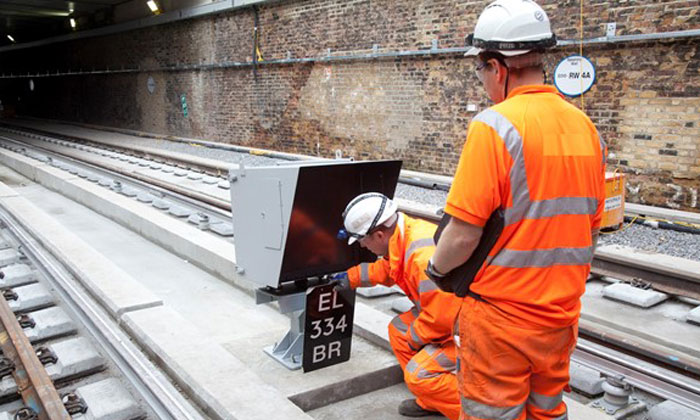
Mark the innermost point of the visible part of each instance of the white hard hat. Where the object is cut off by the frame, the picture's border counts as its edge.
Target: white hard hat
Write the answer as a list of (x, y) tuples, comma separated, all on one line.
[(511, 27), (365, 212)]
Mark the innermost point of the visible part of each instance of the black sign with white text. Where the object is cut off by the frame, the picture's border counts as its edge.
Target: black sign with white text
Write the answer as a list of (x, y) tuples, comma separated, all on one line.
[(328, 326)]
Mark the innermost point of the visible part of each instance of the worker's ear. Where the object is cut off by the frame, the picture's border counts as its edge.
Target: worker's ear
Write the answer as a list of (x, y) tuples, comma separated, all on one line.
[(498, 68)]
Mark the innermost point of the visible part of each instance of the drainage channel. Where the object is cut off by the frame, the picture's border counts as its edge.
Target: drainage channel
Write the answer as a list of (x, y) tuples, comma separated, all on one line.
[(63, 356), (203, 211)]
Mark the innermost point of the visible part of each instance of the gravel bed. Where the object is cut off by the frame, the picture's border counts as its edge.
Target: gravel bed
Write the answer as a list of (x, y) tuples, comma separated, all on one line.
[(677, 244), (668, 242)]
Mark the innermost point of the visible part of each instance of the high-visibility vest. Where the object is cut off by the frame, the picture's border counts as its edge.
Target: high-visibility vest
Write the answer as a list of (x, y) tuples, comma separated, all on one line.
[(541, 160), (410, 247)]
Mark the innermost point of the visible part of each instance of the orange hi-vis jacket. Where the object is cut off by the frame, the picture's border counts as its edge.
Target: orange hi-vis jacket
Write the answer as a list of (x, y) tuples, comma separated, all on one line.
[(541, 160), (410, 248)]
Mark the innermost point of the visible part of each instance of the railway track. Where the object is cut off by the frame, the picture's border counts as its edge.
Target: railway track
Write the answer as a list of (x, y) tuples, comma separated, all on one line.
[(62, 356), (201, 186), (674, 281)]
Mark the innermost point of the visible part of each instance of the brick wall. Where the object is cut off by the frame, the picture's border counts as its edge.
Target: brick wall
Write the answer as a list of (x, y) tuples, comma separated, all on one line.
[(645, 101)]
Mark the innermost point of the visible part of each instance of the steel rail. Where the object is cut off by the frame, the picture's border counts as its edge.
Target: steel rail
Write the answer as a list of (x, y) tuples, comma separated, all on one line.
[(423, 180), (645, 376), (131, 151), (673, 281), (35, 386), (221, 209), (155, 389)]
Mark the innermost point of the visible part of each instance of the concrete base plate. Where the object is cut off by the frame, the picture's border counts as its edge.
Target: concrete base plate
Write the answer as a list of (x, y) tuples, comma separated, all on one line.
[(644, 298), (585, 380)]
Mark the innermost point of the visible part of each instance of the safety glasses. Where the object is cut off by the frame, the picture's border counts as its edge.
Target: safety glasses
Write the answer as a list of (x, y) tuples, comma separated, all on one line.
[(479, 70), (344, 234)]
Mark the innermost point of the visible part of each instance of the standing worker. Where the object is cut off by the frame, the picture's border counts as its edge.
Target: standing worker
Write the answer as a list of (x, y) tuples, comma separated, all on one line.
[(421, 338), (541, 161)]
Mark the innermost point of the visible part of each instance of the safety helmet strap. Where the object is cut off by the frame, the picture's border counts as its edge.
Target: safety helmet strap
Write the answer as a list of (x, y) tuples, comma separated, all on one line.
[(511, 45)]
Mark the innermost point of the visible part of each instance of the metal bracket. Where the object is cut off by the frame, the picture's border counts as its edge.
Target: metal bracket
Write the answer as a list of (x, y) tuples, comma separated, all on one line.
[(7, 366), (74, 404), (618, 400), (289, 351), (26, 321), (46, 356)]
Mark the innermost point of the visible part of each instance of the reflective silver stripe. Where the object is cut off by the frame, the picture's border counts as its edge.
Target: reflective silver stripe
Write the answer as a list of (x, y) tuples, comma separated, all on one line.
[(418, 243), (543, 257), (559, 206), (425, 374), (522, 207), (411, 366), (426, 286), (518, 178), (364, 275), (431, 349), (483, 411), (445, 362), (414, 337), (564, 416), (398, 323), (545, 402), (416, 307), (602, 147)]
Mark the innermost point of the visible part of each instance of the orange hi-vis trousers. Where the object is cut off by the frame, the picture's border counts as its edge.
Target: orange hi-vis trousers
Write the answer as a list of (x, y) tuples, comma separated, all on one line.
[(430, 373), (511, 369)]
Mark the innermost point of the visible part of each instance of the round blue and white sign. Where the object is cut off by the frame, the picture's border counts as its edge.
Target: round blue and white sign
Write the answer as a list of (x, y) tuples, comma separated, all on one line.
[(574, 75)]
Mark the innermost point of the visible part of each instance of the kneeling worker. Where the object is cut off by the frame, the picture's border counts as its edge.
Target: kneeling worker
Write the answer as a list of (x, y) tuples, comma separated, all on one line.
[(421, 338)]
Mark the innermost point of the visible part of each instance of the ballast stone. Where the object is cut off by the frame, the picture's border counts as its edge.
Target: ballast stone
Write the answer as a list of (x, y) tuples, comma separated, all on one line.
[(633, 295)]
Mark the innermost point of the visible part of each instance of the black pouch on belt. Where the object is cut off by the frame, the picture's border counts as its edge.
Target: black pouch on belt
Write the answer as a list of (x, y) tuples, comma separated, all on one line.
[(459, 279)]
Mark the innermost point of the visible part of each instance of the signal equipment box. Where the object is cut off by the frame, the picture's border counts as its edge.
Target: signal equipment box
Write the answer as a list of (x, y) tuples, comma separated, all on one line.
[(286, 220)]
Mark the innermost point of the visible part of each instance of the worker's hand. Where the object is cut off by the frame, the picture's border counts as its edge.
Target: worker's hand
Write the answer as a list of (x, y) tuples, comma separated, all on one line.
[(342, 280)]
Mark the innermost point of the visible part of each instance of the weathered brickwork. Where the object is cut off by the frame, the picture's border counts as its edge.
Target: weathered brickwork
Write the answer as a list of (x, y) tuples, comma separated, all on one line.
[(646, 101)]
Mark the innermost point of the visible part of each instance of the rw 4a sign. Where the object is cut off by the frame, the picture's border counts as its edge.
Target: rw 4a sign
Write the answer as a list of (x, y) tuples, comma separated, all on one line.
[(574, 75), (328, 326)]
